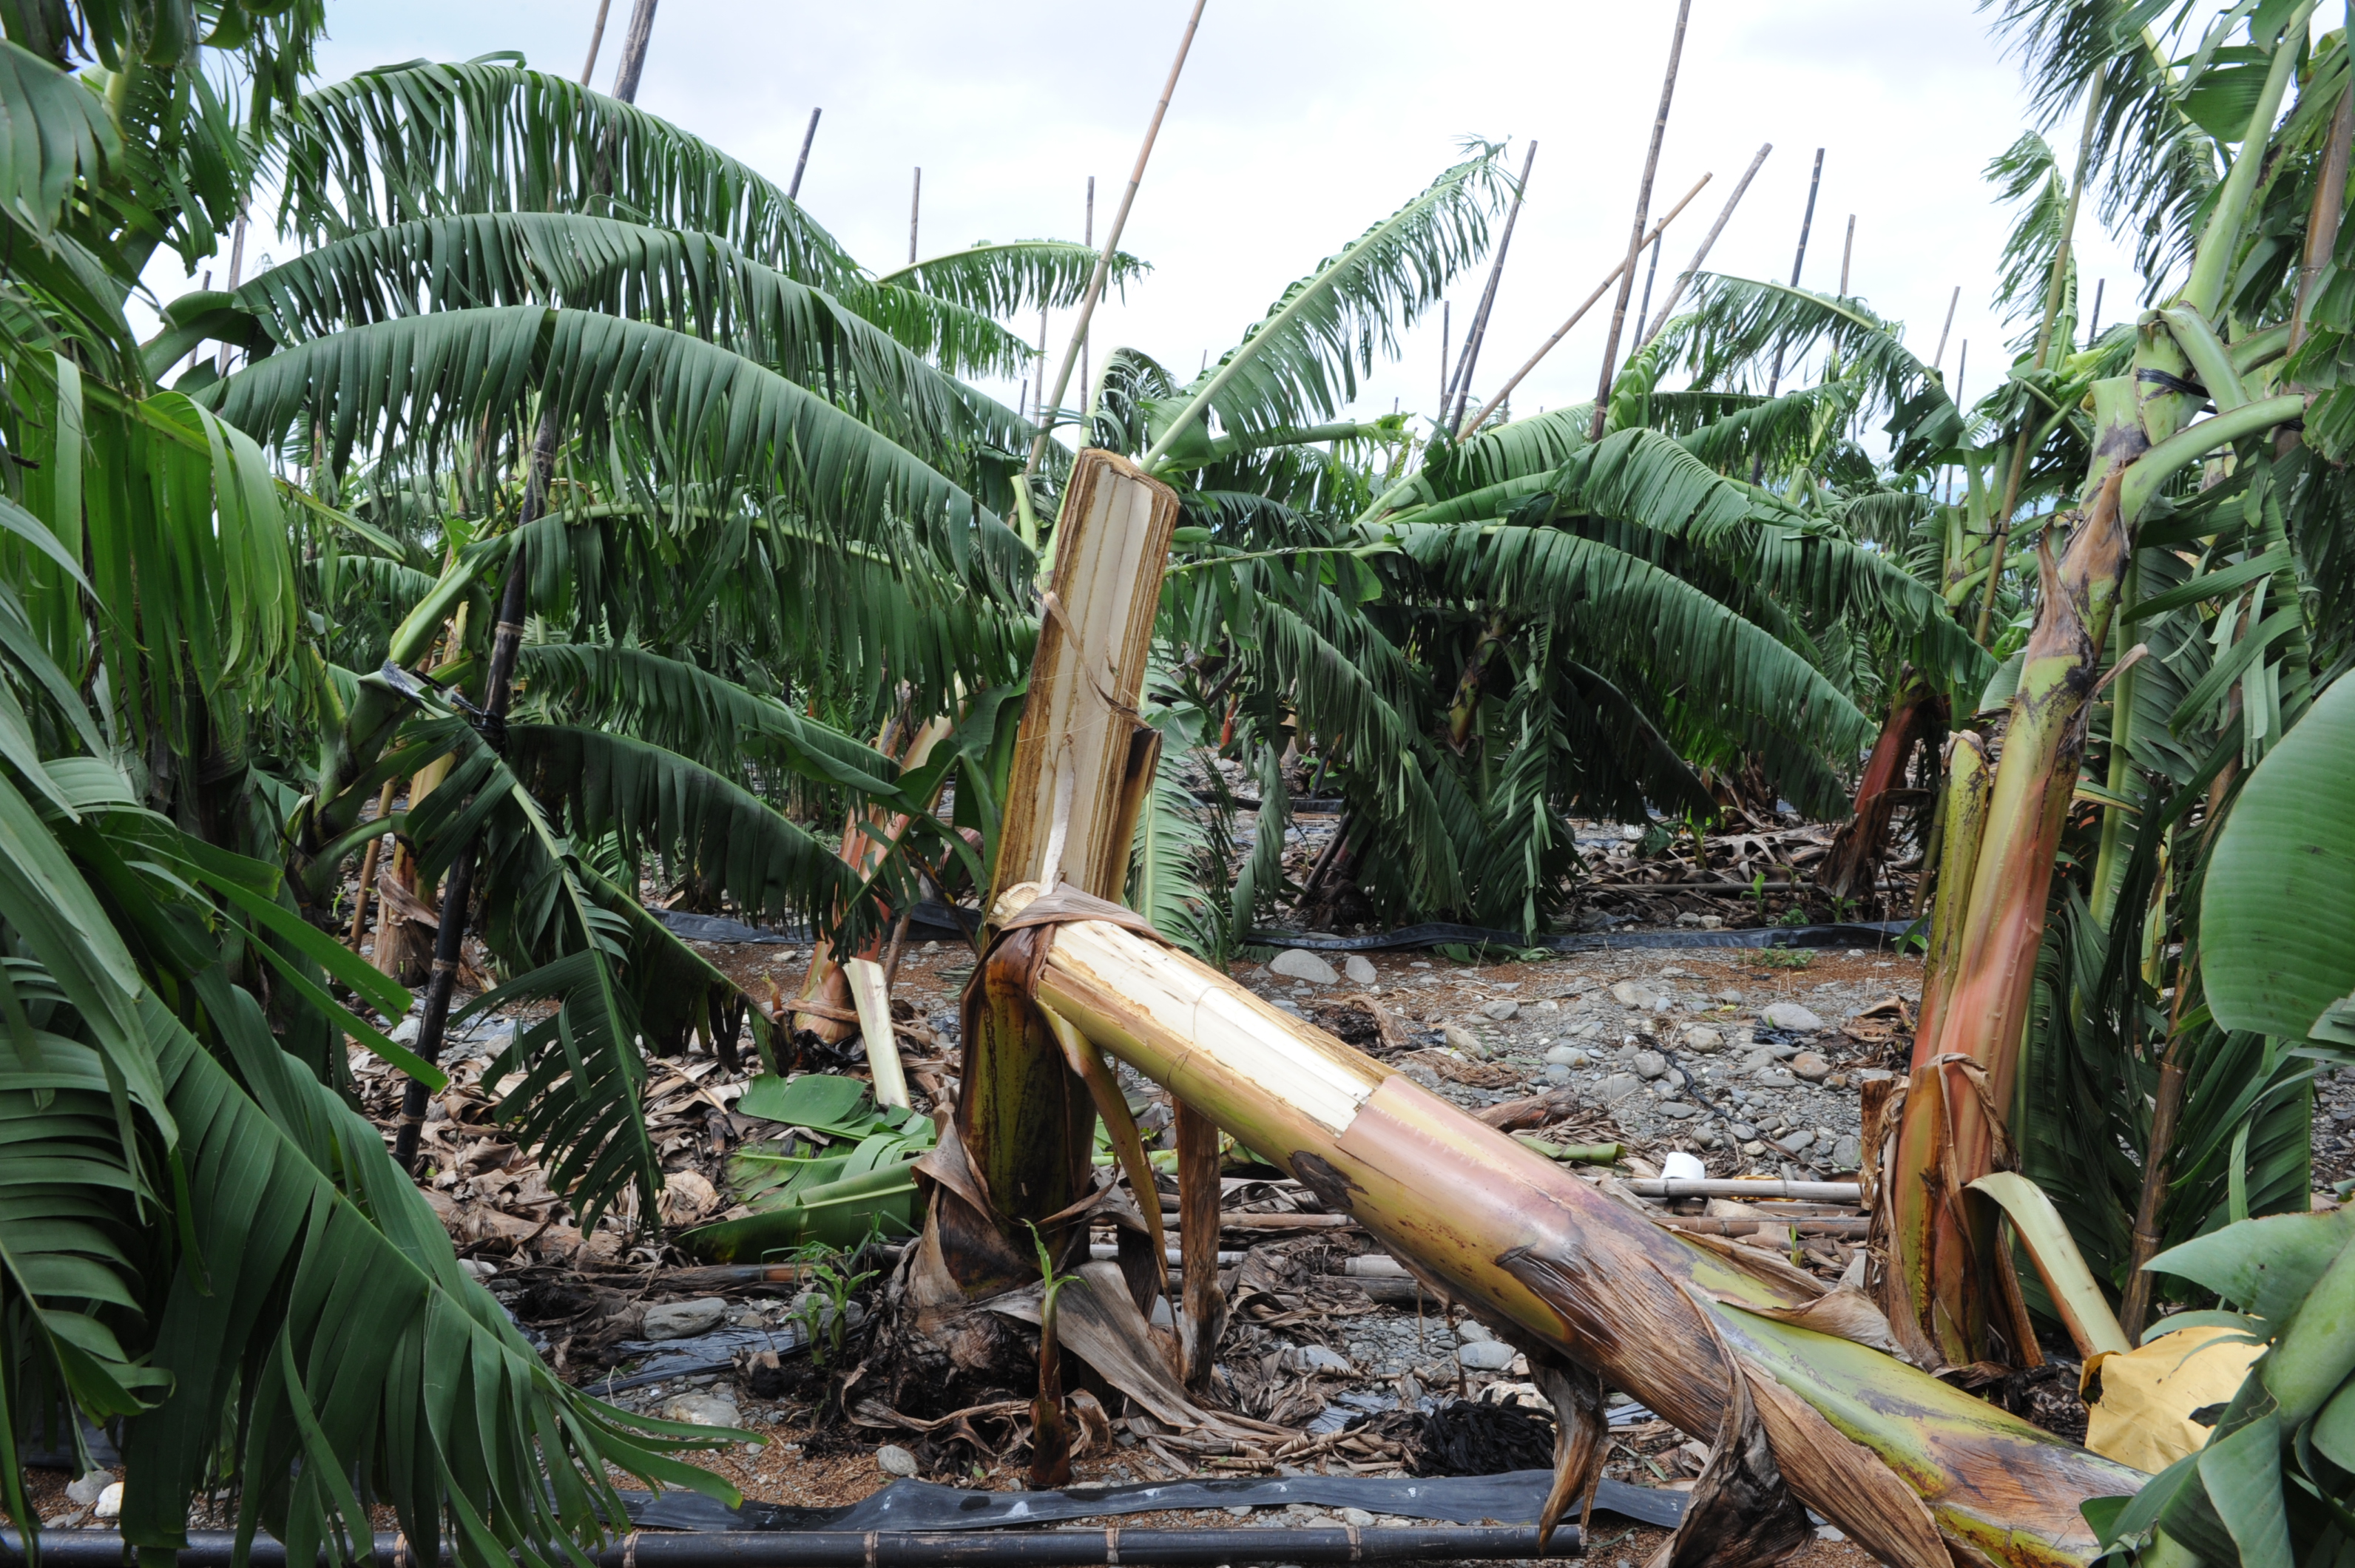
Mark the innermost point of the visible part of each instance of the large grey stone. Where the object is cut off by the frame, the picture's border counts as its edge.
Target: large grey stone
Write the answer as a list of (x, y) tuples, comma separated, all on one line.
[(1556, 1072), (1811, 1067), (1847, 1152), (1619, 1085), (1470, 1333), (1628, 994), (1650, 1064), (1319, 1358), (682, 1319), (1790, 1016), (1298, 963), (1677, 1110), (1360, 969), (1563, 1056), (1799, 1142), (1500, 1009), (1775, 1078), (699, 1410), (1486, 1355), (894, 1460), (1458, 1038), (88, 1488), (1700, 1037)]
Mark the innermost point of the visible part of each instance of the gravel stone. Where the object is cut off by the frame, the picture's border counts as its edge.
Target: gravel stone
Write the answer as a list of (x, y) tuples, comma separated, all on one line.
[(1848, 1152), (1650, 1064), (1458, 1038), (683, 1319), (1643, 998), (1298, 963), (1776, 1078), (1619, 1085), (1359, 969), (1700, 1037), (1677, 1110), (1502, 1008), (1791, 1016), (700, 1410), (1486, 1355), (1811, 1067)]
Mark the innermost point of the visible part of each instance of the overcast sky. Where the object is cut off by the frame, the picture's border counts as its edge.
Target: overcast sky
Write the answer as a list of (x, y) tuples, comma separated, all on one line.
[(1298, 123)]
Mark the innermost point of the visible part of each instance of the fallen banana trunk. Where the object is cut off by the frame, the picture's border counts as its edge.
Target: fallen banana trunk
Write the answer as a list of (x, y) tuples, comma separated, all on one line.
[(1701, 1333)]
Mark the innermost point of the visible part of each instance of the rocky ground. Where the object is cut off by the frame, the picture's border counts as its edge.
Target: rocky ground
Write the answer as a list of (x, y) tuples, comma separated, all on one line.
[(1749, 1059), (1713, 1050)]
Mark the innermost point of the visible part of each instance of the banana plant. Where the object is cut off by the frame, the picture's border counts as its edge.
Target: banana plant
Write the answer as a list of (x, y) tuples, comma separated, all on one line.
[(199, 1235), (2204, 342)]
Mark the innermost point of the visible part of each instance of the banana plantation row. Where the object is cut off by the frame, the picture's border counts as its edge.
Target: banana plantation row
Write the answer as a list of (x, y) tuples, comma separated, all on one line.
[(545, 537)]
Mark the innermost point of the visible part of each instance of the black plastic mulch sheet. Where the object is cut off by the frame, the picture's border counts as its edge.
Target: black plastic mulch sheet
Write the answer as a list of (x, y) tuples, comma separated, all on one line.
[(1512, 1499), (952, 921)]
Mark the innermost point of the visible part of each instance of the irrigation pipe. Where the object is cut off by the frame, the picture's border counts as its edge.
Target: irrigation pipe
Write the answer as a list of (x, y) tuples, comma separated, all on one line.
[(908, 1549)]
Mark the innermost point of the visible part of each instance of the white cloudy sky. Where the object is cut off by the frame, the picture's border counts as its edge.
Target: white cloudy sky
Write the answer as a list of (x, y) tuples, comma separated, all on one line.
[(1299, 122)]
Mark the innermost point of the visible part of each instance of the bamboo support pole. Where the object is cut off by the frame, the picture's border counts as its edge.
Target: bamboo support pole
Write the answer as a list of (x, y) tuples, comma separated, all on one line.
[(1479, 333), (370, 856), (1798, 264), (1708, 241), (794, 191), (596, 38), (1577, 315), (1111, 246), (1892, 1455), (1636, 231), (1940, 357)]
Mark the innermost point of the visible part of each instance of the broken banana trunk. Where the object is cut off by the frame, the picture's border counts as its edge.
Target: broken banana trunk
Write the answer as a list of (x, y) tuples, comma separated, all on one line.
[(1718, 1338)]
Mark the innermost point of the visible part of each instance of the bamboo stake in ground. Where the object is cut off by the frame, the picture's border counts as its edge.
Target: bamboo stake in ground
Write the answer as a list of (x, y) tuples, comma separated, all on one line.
[(794, 191), (370, 856), (1110, 249), (1692, 268), (1497, 402), (1636, 231), (1479, 330), (1940, 357), (1798, 264), (596, 38)]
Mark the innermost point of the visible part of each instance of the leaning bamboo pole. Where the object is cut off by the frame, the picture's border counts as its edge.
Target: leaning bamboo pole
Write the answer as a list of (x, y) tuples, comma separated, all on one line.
[(1889, 1454), (1497, 397), (1635, 229)]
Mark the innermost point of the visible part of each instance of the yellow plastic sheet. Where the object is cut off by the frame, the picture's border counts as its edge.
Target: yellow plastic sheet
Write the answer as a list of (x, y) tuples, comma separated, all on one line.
[(2140, 1413)]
